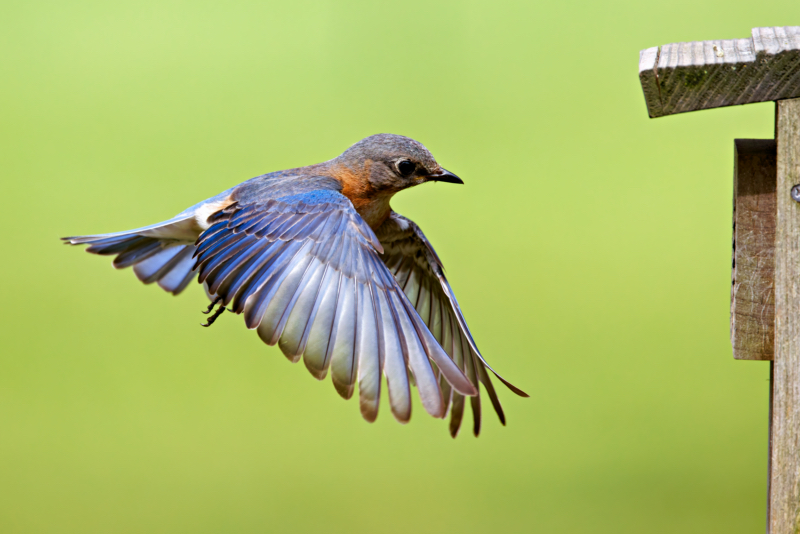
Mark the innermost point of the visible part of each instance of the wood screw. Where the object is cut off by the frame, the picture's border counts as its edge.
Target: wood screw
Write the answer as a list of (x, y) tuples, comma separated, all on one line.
[(796, 193)]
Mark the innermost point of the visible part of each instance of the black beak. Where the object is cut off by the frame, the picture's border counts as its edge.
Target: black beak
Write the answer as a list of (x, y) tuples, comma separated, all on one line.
[(445, 176)]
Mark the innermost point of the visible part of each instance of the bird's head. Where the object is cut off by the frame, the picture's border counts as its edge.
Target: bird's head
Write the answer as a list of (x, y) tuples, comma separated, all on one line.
[(390, 163)]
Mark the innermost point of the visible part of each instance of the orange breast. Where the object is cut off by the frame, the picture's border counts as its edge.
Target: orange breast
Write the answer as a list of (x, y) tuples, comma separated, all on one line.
[(372, 206)]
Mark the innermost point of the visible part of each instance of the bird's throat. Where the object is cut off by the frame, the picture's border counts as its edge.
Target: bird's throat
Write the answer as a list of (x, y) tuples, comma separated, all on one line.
[(374, 211), (372, 205)]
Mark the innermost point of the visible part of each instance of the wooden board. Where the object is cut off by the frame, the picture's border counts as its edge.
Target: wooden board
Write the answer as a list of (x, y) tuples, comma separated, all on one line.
[(785, 437), (684, 77), (753, 269)]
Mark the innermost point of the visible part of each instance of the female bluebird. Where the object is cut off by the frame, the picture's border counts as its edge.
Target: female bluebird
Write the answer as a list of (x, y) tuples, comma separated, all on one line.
[(318, 263)]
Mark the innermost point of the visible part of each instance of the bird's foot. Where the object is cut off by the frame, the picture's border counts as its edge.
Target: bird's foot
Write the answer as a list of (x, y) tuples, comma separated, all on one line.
[(211, 306), (217, 313)]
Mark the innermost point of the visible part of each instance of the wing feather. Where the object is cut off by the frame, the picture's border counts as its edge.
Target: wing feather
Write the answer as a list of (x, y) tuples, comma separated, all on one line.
[(298, 324), (369, 353), (395, 349), (418, 360), (341, 349), (277, 313), (259, 286), (315, 353), (487, 383), (469, 362), (410, 258), (287, 268), (216, 272)]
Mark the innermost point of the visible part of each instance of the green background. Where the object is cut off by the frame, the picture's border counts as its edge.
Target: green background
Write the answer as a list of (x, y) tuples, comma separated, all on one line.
[(590, 250)]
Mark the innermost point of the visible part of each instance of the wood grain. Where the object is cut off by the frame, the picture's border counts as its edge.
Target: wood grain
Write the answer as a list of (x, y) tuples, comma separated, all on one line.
[(753, 269), (682, 77), (785, 458)]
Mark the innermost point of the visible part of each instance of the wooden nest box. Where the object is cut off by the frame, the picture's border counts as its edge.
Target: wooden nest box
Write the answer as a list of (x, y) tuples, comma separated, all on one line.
[(765, 289)]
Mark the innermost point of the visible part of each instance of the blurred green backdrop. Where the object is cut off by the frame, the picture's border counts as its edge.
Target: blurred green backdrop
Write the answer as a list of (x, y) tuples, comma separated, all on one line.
[(590, 249)]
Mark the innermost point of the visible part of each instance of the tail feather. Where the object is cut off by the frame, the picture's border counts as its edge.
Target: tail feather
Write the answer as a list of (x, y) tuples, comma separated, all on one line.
[(131, 257), (115, 245), (166, 261), (179, 276), (154, 268)]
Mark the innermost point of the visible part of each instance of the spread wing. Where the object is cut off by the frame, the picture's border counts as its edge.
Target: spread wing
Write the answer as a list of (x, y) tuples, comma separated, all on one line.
[(305, 272), (418, 271)]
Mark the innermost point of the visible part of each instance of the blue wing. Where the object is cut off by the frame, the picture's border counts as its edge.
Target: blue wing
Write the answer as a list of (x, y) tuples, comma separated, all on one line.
[(413, 262), (305, 272)]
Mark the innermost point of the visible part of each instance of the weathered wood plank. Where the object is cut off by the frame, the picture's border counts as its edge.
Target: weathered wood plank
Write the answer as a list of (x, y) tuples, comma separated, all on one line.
[(785, 466), (753, 270), (711, 74), (648, 59)]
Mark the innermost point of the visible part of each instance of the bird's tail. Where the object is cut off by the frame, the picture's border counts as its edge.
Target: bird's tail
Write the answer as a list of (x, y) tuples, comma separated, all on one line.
[(165, 261)]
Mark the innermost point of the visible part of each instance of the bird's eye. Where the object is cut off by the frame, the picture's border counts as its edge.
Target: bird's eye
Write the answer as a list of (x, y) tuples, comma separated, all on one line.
[(406, 168)]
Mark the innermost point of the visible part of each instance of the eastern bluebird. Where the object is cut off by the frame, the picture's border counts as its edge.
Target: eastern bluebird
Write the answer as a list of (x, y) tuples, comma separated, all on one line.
[(318, 263)]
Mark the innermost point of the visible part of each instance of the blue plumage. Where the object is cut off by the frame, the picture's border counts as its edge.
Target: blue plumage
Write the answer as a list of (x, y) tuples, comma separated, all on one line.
[(319, 196)]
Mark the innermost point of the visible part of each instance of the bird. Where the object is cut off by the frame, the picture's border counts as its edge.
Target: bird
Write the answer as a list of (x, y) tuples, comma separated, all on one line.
[(317, 262)]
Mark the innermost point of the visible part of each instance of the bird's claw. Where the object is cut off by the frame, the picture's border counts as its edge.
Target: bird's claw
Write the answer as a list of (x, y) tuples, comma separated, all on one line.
[(217, 313), (211, 306)]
